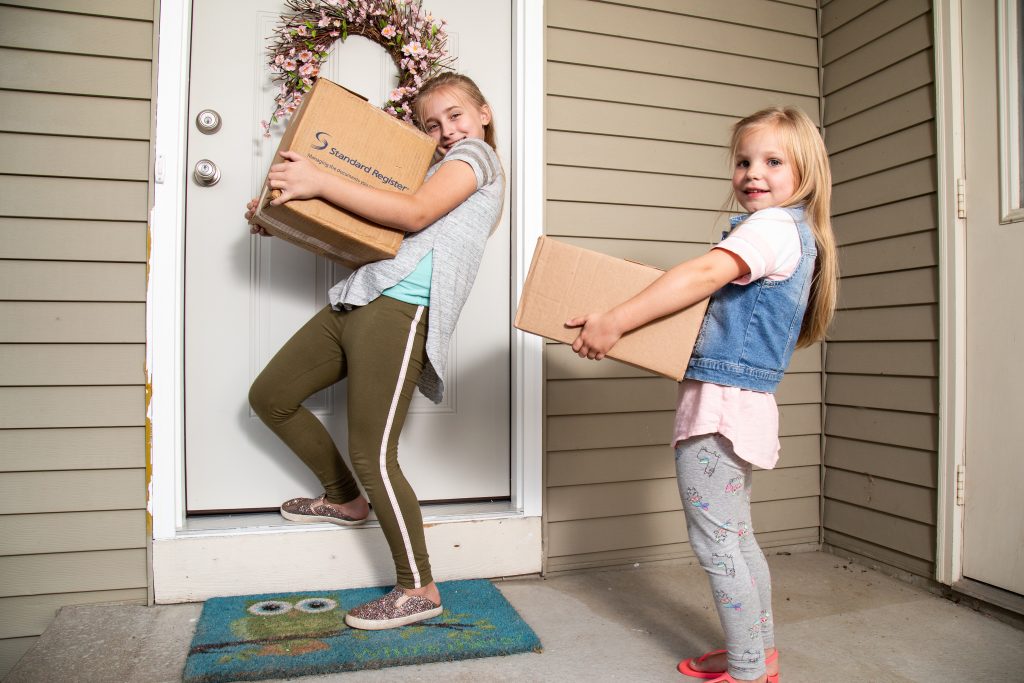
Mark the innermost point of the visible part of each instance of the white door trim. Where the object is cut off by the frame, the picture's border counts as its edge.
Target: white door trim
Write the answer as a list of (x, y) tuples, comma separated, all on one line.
[(952, 283), (165, 286)]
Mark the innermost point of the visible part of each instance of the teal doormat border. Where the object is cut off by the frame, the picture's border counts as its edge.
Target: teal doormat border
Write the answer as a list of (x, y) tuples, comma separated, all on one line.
[(280, 635)]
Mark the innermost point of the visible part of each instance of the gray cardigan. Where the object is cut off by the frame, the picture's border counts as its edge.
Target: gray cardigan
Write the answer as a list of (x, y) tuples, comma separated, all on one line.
[(458, 240)]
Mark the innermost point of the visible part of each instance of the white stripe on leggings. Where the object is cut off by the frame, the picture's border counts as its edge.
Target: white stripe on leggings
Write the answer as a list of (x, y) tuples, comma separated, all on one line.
[(384, 449)]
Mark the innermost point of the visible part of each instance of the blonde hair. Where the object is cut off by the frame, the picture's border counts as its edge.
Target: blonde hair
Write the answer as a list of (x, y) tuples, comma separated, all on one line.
[(466, 86), (803, 144)]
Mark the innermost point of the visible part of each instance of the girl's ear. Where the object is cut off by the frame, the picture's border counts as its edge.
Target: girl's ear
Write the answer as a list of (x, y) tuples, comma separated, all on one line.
[(485, 114)]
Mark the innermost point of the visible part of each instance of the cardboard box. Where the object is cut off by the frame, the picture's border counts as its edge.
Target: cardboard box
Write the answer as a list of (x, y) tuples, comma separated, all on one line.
[(342, 133), (566, 281)]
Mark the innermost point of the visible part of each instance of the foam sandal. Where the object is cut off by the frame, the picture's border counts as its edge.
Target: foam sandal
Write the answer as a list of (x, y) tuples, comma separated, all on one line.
[(726, 678), (686, 669)]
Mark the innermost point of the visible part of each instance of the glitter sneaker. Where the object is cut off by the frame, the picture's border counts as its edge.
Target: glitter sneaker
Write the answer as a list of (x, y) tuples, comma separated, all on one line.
[(391, 611), (310, 510)]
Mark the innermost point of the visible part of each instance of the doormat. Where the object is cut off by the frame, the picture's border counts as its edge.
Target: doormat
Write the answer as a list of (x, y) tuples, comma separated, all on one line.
[(281, 635)]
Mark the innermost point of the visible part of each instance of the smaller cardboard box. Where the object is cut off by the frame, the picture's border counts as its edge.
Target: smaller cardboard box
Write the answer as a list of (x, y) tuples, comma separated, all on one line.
[(566, 281), (342, 133)]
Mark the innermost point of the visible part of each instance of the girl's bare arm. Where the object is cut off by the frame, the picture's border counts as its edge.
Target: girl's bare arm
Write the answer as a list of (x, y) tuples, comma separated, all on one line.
[(449, 186), (679, 288)]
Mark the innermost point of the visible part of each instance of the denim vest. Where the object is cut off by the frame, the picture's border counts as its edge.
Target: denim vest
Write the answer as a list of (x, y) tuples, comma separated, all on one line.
[(749, 331)]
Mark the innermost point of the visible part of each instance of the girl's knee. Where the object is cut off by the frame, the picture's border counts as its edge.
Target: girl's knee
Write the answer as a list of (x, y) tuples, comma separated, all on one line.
[(267, 403)]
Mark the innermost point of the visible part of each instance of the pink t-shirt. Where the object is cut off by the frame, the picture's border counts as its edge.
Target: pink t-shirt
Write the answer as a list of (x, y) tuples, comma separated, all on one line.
[(768, 242)]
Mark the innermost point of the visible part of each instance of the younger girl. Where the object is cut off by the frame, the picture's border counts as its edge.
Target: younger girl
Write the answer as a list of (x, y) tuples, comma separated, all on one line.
[(387, 329), (772, 283)]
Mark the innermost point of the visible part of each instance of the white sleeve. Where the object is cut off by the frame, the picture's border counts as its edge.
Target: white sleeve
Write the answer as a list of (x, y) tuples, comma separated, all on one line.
[(768, 242)]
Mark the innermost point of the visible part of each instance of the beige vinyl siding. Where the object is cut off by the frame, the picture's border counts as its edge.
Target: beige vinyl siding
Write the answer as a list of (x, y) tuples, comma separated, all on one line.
[(75, 140), (640, 99), (882, 358)]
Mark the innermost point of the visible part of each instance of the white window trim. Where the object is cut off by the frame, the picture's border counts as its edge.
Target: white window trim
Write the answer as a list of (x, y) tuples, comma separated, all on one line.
[(165, 286), (1010, 161)]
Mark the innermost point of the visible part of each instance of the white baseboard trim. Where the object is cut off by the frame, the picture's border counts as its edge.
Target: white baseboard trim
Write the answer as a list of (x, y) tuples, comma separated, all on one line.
[(194, 568)]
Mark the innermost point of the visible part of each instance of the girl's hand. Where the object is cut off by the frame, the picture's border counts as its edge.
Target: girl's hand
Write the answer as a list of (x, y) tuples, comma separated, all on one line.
[(250, 211), (599, 334), (296, 177)]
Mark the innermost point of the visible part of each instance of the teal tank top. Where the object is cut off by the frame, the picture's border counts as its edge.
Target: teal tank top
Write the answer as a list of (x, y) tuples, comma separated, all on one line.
[(415, 288)]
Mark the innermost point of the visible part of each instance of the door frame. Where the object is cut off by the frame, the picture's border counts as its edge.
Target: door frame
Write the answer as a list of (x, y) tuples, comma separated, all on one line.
[(949, 152), (507, 543)]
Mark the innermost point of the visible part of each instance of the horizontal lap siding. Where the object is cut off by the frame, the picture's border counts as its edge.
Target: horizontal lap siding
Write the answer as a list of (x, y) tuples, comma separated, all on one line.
[(640, 99), (74, 198), (882, 361)]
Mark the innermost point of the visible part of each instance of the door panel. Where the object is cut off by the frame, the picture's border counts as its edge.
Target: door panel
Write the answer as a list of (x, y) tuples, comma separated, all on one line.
[(993, 535), (245, 295)]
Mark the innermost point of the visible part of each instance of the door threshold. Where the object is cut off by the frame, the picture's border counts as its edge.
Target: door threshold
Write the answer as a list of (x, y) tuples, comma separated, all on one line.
[(243, 554), (272, 522), (999, 597)]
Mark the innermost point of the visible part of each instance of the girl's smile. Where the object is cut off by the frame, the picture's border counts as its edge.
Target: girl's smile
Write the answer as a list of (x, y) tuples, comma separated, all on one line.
[(764, 175), (449, 118)]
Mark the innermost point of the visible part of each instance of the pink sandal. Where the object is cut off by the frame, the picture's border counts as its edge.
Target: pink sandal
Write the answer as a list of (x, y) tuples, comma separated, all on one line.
[(686, 669)]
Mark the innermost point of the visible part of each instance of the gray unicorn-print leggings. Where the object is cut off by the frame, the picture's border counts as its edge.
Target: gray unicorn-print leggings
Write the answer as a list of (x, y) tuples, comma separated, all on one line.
[(714, 484)]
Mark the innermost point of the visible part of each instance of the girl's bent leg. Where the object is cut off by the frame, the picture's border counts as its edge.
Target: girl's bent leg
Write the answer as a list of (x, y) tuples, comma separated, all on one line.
[(385, 347), (308, 362), (714, 486)]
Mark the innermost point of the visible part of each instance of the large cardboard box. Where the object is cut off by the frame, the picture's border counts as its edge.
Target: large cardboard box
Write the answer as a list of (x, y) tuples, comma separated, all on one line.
[(342, 133), (566, 281)]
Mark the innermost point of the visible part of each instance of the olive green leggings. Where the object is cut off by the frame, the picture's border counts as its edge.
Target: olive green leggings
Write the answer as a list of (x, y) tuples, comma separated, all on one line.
[(380, 349)]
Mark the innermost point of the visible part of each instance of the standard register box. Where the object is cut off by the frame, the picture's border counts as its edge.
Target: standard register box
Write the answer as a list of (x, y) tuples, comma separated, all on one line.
[(342, 133), (566, 281)]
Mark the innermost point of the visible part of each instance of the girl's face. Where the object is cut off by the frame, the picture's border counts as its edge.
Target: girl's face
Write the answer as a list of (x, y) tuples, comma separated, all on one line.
[(764, 175), (448, 117)]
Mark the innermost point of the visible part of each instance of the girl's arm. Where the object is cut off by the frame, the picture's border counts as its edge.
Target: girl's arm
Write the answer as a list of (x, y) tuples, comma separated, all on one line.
[(451, 184), (679, 288)]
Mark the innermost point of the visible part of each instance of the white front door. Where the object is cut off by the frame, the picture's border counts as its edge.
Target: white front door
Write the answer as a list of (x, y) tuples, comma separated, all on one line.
[(993, 533), (245, 296)]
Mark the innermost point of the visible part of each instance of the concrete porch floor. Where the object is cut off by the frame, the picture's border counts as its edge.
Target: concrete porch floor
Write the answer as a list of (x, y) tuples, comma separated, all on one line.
[(835, 620)]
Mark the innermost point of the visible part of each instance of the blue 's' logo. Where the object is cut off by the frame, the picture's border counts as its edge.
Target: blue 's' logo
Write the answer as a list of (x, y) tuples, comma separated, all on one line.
[(322, 140)]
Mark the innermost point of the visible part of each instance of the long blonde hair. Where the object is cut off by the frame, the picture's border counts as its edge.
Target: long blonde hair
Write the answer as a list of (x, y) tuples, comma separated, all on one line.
[(803, 144), (466, 86)]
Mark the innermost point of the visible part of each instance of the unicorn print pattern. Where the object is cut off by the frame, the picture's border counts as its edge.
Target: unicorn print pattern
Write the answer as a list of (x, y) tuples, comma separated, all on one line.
[(709, 459)]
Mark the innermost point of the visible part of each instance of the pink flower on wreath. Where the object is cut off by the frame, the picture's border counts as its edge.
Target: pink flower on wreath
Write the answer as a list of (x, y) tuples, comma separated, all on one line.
[(334, 34), (397, 94), (306, 69), (305, 56), (308, 82), (324, 20), (301, 30), (278, 60), (388, 31), (289, 65), (414, 49)]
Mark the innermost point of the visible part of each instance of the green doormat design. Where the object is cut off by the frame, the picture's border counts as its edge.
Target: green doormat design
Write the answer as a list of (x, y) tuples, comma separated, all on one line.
[(280, 635)]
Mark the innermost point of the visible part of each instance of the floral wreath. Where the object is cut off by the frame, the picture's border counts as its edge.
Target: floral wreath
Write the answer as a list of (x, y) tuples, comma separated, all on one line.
[(415, 41)]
